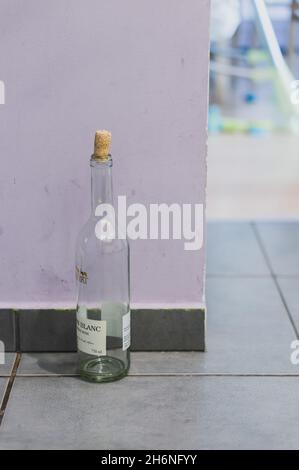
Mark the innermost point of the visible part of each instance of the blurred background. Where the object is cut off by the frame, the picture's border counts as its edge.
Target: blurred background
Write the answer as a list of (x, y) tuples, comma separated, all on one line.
[(254, 110)]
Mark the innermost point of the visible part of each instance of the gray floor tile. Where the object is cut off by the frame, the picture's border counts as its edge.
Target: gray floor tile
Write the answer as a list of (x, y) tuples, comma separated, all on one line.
[(290, 290), (248, 333), (3, 383), (153, 413), (281, 241), (248, 330), (141, 363), (6, 368), (48, 364), (233, 250)]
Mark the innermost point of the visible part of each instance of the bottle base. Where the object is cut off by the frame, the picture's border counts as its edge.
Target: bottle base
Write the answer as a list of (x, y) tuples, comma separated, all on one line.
[(103, 369)]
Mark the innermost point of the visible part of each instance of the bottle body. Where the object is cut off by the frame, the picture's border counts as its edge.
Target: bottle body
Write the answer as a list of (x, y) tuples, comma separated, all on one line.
[(103, 306), (103, 310)]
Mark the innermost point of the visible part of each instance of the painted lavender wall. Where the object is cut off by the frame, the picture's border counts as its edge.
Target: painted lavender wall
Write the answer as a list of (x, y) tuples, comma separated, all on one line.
[(136, 67)]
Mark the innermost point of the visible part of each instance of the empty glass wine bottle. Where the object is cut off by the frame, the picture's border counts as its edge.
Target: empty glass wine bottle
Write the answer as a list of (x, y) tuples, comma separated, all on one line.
[(102, 272)]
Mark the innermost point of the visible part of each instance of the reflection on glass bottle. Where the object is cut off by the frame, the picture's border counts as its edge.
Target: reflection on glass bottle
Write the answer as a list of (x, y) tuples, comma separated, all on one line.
[(102, 272)]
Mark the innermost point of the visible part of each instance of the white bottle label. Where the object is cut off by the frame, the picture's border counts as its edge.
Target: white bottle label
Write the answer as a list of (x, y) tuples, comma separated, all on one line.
[(91, 336), (126, 331)]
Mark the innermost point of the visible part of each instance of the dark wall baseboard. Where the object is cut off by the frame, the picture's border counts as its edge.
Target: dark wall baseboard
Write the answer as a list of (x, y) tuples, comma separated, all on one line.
[(55, 330)]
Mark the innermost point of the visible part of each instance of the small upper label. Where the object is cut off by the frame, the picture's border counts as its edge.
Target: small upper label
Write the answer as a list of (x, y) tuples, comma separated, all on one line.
[(81, 276), (126, 331)]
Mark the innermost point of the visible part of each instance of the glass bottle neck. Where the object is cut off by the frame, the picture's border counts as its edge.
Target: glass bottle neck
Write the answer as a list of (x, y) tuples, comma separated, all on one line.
[(101, 183)]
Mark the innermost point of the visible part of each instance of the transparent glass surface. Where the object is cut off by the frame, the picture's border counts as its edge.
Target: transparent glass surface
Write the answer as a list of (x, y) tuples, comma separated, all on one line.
[(102, 272)]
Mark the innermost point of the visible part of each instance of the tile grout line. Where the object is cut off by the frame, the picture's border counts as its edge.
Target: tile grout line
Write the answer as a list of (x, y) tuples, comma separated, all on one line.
[(286, 306), (9, 386), (191, 374), (274, 277)]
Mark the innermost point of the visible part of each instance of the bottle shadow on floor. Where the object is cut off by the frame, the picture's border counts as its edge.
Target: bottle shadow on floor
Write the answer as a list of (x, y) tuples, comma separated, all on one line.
[(56, 363)]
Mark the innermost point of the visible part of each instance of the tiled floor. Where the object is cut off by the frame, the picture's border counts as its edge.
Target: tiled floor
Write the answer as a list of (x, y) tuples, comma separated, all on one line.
[(253, 176), (242, 393), (3, 383)]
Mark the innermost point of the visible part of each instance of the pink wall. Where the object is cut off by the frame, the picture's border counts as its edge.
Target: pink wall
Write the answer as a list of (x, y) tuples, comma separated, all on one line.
[(136, 67)]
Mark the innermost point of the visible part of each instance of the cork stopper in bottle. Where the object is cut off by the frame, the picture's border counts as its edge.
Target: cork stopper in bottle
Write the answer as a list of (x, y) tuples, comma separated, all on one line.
[(102, 143)]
